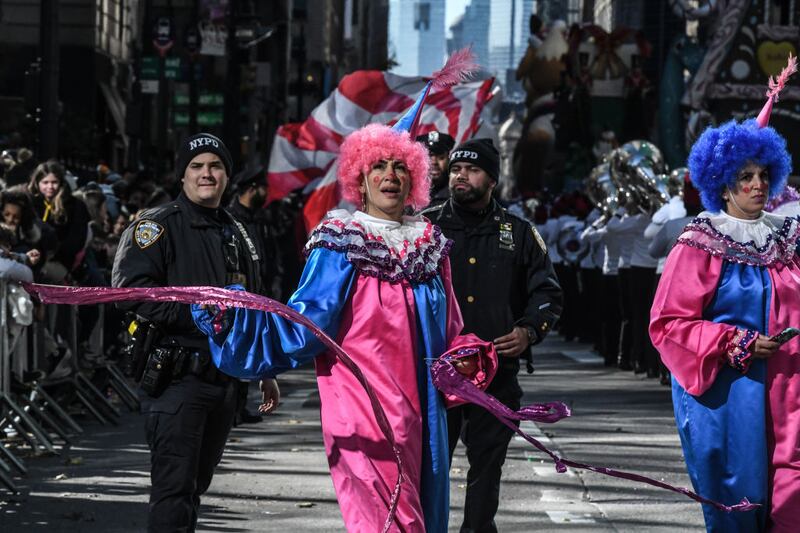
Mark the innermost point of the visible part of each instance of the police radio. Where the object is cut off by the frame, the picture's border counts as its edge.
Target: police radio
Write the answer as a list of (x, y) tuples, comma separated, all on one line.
[(144, 335)]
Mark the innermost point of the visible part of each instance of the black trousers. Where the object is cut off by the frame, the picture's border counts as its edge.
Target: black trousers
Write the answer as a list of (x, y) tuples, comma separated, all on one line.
[(642, 350), (486, 439), (610, 319), (591, 305), (186, 429), (569, 320), (625, 314)]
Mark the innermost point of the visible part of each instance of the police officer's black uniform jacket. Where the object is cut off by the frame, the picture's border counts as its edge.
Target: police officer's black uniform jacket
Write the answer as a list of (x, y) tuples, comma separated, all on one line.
[(183, 244), (502, 275), (259, 226)]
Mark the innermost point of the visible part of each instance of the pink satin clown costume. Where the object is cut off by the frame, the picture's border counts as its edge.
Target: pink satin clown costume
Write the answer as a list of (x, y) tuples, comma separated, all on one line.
[(697, 291), (380, 286), (382, 290), (729, 279), (379, 329)]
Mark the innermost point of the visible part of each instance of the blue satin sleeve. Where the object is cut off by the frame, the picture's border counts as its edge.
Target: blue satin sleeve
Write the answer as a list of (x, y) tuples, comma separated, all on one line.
[(255, 344)]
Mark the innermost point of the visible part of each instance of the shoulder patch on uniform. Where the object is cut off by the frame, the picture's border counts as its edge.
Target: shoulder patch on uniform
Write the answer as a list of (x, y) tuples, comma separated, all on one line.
[(160, 212), (147, 232), (539, 239)]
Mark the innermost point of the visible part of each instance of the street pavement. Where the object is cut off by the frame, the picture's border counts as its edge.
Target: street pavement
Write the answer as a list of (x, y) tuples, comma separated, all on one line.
[(274, 475)]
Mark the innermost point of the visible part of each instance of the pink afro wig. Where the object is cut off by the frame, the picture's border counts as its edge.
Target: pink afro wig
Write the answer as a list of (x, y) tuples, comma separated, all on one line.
[(374, 142)]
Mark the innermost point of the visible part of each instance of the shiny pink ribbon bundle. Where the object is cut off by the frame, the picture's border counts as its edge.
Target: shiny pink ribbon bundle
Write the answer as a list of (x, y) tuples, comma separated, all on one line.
[(449, 381)]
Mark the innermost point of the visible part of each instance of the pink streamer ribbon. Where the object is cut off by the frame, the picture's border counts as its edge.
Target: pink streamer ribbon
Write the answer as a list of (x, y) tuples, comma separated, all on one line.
[(449, 381), (445, 377), (224, 298)]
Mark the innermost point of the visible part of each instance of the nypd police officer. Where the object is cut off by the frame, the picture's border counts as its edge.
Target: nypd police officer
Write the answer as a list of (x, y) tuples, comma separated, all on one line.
[(189, 405), (508, 293), (439, 145)]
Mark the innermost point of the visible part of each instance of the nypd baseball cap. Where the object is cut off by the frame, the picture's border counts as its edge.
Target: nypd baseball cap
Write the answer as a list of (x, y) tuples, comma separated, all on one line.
[(479, 152), (201, 143), (437, 142)]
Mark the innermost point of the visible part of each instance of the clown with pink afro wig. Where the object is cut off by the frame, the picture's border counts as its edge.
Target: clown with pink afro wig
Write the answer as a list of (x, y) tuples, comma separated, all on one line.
[(378, 281), (375, 142)]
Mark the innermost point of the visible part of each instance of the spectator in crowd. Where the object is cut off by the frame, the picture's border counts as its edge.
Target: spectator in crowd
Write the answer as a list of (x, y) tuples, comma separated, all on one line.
[(121, 221), (57, 207), (33, 238), (120, 189), (158, 197), (13, 267), (20, 173), (138, 196), (7, 162)]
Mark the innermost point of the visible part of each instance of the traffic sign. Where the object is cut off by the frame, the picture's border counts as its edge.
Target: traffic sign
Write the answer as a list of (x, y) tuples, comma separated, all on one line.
[(149, 69), (172, 66)]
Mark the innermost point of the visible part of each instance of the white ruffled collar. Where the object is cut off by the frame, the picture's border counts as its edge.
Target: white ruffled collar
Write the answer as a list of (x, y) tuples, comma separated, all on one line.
[(412, 249), (763, 241), (757, 231), (394, 234)]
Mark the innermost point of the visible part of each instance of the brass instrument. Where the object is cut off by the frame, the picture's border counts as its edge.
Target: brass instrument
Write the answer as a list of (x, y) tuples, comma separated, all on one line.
[(637, 172), (602, 190)]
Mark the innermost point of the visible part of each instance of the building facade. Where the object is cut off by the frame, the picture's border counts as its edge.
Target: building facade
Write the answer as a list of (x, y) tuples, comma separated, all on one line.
[(417, 36), (66, 76)]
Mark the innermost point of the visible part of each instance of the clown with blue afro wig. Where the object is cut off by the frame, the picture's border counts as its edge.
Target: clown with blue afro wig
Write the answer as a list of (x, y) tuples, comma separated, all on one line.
[(724, 319), (720, 153)]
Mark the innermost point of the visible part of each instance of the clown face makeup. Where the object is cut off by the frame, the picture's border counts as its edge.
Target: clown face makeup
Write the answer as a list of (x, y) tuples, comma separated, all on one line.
[(750, 193)]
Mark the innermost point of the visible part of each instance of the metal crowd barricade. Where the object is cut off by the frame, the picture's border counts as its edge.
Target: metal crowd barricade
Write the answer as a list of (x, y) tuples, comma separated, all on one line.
[(37, 410)]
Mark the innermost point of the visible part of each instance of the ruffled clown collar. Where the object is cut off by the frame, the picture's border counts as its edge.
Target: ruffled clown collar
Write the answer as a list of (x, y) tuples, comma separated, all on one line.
[(412, 249), (764, 241)]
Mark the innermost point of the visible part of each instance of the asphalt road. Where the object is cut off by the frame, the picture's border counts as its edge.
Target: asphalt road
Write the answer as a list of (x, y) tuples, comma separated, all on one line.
[(274, 475)]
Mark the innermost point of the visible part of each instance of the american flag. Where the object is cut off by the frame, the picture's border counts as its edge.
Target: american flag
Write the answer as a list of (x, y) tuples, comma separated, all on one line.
[(304, 153)]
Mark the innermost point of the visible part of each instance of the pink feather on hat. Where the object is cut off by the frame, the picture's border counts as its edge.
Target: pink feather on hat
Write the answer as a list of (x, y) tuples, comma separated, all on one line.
[(776, 85), (460, 66)]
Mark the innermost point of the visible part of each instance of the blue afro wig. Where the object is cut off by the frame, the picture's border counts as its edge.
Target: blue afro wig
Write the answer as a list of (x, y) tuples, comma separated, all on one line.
[(720, 153)]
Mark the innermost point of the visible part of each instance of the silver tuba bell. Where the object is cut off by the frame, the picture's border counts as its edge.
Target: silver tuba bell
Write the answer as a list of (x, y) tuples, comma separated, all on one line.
[(636, 167), (602, 190)]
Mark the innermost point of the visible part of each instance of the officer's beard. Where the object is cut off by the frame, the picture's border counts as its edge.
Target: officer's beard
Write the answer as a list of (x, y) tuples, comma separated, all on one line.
[(469, 195)]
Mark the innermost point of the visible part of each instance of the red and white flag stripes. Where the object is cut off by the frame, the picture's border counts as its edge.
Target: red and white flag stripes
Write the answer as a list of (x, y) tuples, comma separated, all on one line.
[(304, 154)]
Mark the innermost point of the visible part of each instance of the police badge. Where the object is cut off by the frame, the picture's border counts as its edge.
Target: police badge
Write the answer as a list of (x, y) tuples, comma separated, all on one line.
[(147, 232), (506, 236)]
